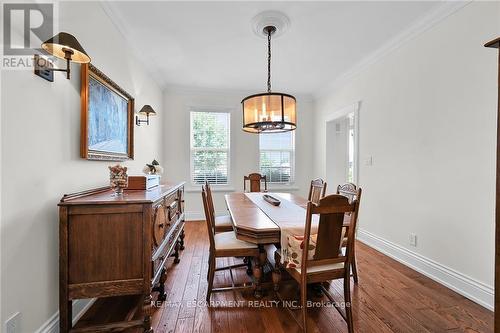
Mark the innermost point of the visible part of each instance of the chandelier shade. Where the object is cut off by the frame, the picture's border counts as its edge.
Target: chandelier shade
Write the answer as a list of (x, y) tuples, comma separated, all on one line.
[(269, 113)]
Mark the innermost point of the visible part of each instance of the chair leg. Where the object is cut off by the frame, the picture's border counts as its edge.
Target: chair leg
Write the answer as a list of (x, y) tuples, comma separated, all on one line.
[(353, 266), (211, 273), (248, 261), (348, 305), (303, 300)]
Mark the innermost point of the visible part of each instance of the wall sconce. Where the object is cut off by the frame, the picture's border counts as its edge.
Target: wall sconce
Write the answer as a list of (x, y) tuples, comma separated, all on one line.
[(147, 111), (63, 46)]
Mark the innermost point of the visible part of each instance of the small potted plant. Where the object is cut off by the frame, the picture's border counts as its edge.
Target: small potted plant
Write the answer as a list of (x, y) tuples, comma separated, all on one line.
[(153, 169)]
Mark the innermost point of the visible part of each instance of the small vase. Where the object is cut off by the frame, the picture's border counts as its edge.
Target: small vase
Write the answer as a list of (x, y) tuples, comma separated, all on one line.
[(118, 179)]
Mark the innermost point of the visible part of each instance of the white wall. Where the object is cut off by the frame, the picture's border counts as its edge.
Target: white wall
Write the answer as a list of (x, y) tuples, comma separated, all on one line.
[(40, 159), (244, 146), (428, 118)]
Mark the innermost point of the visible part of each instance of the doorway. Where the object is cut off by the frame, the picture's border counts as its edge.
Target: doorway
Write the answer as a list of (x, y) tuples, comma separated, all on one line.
[(342, 132)]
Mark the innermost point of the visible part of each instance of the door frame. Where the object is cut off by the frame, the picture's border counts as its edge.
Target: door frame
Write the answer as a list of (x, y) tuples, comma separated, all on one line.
[(340, 113), (496, 44)]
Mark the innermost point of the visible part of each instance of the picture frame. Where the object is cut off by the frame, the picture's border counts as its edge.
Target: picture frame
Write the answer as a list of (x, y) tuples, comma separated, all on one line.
[(107, 114)]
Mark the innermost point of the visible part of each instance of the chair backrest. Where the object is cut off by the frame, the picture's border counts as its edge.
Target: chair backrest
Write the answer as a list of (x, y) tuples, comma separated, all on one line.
[(331, 210), (210, 200), (317, 190), (209, 217), (255, 180), (349, 191)]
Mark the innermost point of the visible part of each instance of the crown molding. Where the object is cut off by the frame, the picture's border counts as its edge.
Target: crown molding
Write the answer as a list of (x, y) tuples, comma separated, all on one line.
[(428, 21), (120, 25), (240, 93), (444, 10)]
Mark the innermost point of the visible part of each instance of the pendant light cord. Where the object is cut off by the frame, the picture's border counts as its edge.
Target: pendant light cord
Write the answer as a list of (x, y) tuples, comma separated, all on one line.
[(269, 60)]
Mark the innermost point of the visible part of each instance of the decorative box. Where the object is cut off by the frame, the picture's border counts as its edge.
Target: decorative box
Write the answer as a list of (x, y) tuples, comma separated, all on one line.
[(143, 182)]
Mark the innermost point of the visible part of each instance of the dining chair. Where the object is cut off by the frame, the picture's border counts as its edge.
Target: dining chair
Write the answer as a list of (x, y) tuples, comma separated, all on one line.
[(325, 261), (317, 190), (223, 245), (255, 180), (351, 192), (222, 223)]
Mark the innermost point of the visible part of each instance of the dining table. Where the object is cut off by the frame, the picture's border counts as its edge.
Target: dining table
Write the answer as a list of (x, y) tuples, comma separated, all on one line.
[(258, 221)]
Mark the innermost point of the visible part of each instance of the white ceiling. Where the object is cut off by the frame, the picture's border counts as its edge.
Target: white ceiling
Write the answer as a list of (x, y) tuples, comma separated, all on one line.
[(211, 45)]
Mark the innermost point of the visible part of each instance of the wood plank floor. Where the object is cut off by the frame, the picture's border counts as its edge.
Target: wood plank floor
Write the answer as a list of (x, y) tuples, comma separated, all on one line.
[(390, 297)]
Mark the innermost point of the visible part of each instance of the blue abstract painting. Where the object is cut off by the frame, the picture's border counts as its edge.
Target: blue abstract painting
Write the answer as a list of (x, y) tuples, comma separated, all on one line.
[(107, 119)]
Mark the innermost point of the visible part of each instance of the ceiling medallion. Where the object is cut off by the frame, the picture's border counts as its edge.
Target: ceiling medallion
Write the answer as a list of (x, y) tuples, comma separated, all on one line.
[(269, 112)]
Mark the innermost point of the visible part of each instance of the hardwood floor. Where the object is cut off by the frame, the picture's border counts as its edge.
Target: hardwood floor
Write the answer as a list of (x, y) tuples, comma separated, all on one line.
[(390, 297)]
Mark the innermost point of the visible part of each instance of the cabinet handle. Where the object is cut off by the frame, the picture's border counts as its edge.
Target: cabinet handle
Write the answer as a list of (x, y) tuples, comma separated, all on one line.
[(161, 225)]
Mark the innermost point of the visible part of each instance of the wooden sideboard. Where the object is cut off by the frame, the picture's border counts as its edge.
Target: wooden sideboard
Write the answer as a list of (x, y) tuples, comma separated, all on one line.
[(118, 245)]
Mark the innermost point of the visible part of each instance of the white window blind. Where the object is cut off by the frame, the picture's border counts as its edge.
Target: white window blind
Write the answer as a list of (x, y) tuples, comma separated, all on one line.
[(277, 156), (209, 147)]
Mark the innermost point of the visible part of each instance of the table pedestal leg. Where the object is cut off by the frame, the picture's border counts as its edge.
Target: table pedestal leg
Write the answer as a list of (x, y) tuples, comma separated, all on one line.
[(257, 276), (260, 260)]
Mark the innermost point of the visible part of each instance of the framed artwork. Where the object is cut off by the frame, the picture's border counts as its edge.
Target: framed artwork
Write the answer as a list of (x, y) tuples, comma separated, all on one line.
[(107, 127)]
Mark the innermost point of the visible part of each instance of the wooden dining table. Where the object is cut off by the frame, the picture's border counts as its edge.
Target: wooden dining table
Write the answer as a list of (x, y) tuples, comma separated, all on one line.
[(251, 224)]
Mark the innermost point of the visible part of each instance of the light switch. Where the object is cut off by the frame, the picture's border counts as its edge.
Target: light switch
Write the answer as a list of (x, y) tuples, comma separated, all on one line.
[(369, 161)]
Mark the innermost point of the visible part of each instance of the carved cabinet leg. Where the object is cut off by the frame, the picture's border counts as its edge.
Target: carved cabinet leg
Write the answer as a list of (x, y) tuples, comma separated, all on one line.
[(181, 237), (146, 310), (176, 253), (162, 295), (65, 317)]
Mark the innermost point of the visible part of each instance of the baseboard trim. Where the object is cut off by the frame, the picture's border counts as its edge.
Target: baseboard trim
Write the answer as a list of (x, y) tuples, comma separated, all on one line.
[(194, 216), (199, 216), (80, 306), (466, 286)]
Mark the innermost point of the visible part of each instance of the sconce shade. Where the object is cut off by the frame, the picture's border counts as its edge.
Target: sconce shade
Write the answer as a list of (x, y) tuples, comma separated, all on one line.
[(147, 110), (61, 43), (269, 113)]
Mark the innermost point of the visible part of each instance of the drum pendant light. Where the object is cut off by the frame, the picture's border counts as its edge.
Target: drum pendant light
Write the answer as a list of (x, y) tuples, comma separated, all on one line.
[(269, 112)]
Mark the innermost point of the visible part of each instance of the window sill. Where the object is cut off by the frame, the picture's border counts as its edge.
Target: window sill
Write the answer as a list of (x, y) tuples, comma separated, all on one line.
[(214, 188)]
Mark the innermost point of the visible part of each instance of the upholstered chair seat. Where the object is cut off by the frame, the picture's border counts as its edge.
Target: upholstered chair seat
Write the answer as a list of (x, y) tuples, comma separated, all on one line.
[(223, 223)]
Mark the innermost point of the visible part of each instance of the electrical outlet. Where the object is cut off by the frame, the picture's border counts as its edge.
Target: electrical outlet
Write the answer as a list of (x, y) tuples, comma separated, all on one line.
[(413, 240), (369, 161), (12, 325)]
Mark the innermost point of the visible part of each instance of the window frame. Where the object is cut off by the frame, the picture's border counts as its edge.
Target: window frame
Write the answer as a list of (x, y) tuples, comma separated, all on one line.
[(192, 149), (292, 160)]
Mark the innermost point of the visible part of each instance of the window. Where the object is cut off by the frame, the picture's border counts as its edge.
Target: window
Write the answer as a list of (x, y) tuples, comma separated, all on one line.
[(209, 147), (277, 156)]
